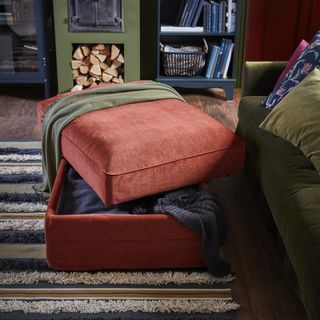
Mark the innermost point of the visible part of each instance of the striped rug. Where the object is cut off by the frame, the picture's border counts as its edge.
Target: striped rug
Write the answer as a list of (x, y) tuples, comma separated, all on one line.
[(29, 289)]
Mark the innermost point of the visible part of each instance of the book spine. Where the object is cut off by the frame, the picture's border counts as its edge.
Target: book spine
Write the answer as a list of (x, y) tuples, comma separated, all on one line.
[(225, 73), (225, 57), (217, 70), (213, 17), (205, 14), (229, 16), (220, 12), (184, 14), (177, 22), (233, 16), (224, 16), (209, 60), (198, 13), (215, 60), (191, 12), (210, 17)]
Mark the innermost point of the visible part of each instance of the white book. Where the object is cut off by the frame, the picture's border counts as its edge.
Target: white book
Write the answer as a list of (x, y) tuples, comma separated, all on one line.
[(225, 71), (181, 29)]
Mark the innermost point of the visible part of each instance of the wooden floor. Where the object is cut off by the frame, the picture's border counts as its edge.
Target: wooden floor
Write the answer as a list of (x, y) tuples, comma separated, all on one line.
[(252, 248)]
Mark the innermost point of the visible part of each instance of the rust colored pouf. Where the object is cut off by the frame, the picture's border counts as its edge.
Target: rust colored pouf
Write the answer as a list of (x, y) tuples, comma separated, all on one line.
[(140, 149), (129, 152)]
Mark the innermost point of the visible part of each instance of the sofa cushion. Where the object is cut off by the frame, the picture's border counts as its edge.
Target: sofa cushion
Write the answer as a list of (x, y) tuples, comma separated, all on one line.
[(146, 148), (302, 45), (297, 118), (292, 188), (308, 60)]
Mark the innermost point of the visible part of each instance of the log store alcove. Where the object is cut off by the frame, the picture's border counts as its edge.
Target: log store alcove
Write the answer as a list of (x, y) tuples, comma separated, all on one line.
[(125, 35)]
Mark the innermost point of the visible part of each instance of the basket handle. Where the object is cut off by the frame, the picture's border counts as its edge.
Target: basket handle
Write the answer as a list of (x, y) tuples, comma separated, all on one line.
[(205, 45)]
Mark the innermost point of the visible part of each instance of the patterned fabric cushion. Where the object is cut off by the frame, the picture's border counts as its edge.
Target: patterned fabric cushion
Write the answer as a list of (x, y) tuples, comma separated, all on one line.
[(308, 61), (295, 56)]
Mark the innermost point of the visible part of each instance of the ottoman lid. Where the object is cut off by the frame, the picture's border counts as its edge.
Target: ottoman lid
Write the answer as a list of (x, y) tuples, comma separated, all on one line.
[(138, 136)]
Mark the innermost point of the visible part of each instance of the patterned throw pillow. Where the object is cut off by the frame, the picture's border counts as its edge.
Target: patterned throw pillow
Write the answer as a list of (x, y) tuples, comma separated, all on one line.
[(308, 61), (295, 56)]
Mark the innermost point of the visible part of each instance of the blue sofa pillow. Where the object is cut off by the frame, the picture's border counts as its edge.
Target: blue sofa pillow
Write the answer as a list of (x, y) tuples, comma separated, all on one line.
[(308, 61)]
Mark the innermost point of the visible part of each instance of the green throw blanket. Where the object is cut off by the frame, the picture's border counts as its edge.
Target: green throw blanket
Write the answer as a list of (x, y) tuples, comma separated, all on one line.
[(61, 113)]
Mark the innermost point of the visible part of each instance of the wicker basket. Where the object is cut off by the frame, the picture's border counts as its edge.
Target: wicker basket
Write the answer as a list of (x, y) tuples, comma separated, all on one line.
[(183, 64)]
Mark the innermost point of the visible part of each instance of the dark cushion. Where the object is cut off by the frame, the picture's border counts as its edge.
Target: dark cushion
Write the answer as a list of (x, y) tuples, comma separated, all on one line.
[(308, 60), (292, 188)]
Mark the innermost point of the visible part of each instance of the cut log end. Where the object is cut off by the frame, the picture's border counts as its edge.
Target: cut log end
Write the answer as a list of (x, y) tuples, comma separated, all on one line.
[(94, 65)]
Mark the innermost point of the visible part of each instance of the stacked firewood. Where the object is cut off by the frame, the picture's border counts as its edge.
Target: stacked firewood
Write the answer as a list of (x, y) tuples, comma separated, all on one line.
[(95, 64)]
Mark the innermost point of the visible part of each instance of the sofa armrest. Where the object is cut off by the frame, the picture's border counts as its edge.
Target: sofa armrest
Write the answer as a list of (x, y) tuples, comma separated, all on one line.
[(259, 77)]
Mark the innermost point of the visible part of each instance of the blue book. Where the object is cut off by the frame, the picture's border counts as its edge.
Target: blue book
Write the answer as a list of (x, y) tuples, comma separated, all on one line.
[(215, 55), (209, 16), (215, 17), (225, 57), (210, 59), (191, 12), (217, 69), (212, 16), (226, 69), (198, 13), (184, 14), (220, 13), (205, 15), (182, 5)]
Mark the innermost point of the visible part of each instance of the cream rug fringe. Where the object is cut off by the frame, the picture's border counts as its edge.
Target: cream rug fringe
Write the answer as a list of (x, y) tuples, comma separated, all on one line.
[(21, 225), (22, 207), (20, 170), (114, 278), (107, 306), (20, 157)]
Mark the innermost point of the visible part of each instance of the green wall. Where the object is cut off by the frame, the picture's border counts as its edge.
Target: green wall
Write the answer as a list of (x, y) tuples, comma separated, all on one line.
[(130, 38)]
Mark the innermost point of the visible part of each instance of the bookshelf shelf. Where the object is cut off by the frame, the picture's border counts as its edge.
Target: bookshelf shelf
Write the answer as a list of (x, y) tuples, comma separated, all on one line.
[(168, 11), (201, 34)]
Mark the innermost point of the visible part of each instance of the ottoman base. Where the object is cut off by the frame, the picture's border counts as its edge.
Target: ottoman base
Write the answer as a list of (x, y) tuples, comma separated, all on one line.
[(83, 242)]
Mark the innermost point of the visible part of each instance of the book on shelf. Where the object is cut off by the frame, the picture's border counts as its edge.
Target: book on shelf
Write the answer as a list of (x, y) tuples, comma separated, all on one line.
[(231, 16), (219, 16), (214, 52), (219, 59), (227, 65), (189, 13), (197, 13)]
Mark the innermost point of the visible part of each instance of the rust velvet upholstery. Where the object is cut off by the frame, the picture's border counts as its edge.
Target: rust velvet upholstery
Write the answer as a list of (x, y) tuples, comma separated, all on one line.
[(116, 241), (140, 149)]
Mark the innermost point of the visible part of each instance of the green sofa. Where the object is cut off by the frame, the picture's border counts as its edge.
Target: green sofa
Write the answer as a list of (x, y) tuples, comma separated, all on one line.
[(289, 181)]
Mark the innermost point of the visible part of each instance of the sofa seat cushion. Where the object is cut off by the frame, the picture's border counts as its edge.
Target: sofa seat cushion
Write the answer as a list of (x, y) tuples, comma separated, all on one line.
[(291, 186), (141, 149)]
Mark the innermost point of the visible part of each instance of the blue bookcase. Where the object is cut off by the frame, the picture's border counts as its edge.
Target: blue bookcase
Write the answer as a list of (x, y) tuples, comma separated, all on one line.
[(168, 10)]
